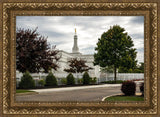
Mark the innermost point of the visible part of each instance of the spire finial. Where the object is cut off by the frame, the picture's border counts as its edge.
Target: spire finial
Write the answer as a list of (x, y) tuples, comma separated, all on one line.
[(75, 30)]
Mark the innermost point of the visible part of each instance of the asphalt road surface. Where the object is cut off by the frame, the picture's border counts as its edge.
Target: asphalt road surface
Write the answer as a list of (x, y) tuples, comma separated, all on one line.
[(92, 94)]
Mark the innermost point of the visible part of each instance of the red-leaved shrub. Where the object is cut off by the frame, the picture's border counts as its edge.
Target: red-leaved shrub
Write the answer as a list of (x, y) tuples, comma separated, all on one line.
[(128, 88)]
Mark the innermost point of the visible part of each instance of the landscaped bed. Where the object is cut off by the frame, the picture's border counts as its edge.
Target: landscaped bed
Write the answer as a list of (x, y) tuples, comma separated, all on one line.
[(125, 98), (113, 82), (128, 89), (119, 81)]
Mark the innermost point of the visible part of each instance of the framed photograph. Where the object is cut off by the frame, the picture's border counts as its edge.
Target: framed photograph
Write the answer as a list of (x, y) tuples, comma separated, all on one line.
[(79, 58)]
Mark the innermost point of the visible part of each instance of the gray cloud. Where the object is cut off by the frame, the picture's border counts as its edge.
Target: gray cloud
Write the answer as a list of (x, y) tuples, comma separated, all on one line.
[(54, 34), (140, 49), (60, 30), (138, 20), (137, 36)]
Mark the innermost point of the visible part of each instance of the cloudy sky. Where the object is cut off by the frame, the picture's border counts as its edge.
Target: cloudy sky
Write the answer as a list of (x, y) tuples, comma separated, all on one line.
[(60, 30)]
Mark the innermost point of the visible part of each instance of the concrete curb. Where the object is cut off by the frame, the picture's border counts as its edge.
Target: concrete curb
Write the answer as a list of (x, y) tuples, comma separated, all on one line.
[(103, 99), (110, 96)]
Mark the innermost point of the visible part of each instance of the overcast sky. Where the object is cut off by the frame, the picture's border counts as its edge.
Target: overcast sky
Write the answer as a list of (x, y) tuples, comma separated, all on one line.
[(60, 30)]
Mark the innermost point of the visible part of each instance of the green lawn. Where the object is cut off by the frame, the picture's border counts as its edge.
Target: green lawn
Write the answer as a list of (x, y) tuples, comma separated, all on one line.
[(23, 91), (125, 98)]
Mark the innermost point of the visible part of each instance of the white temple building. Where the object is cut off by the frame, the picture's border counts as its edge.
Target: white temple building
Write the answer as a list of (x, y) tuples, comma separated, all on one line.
[(65, 56)]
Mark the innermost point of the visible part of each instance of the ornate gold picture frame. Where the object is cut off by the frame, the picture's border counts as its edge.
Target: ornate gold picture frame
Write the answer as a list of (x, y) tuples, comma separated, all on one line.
[(11, 9)]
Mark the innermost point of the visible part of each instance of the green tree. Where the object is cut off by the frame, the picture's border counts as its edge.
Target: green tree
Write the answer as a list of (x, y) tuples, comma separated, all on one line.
[(27, 81), (70, 79), (51, 80), (86, 78), (123, 70), (115, 48), (137, 69), (108, 69)]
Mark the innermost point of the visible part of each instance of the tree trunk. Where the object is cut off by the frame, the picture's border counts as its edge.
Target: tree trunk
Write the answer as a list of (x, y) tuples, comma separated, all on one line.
[(115, 74)]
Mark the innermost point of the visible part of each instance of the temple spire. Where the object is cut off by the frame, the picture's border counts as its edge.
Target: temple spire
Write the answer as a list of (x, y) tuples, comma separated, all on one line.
[(75, 48)]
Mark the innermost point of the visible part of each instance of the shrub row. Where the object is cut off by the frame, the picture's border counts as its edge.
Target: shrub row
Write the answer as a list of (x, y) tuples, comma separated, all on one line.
[(70, 80), (27, 81)]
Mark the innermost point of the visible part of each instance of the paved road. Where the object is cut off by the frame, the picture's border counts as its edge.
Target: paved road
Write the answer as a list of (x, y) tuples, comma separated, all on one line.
[(91, 94)]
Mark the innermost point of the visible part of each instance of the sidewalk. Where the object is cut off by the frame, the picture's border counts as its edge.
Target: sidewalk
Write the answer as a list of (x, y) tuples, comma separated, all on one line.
[(75, 88), (78, 88)]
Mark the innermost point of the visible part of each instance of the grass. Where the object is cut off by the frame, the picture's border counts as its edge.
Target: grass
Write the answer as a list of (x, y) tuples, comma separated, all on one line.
[(23, 91), (125, 98)]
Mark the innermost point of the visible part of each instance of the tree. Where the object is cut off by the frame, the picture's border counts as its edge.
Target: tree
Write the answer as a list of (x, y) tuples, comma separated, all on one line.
[(27, 81), (86, 78), (123, 70), (108, 69), (51, 80), (77, 66), (70, 79), (115, 48), (33, 54), (137, 69)]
